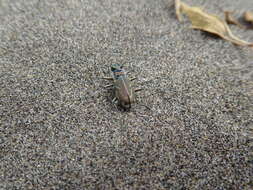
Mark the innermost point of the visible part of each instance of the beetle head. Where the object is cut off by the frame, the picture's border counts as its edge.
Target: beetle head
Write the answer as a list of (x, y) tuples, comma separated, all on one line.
[(116, 67)]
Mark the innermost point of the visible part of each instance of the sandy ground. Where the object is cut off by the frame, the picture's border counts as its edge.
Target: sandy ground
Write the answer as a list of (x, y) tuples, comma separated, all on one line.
[(59, 128)]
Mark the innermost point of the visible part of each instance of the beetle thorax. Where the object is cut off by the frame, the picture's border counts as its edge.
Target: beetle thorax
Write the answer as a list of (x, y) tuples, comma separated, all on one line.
[(117, 74)]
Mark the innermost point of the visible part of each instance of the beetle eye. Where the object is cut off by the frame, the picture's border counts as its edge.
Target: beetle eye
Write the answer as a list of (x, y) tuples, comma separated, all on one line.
[(115, 67)]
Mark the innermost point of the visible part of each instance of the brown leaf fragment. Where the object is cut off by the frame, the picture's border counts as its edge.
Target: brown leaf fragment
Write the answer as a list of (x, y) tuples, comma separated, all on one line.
[(231, 20), (248, 16), (207, 22)]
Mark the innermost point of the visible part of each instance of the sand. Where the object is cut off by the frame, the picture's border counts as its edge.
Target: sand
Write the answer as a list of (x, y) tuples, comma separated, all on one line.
[(59, 128)]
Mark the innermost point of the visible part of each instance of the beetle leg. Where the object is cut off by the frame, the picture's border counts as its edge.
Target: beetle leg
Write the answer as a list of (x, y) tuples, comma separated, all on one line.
[(115, 102), (133, 78), (107, 78), (145, 106), (109, 85), (138, 89)]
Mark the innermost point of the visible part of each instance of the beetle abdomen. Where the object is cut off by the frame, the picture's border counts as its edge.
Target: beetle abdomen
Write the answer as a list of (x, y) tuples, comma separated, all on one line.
[(124, 92)]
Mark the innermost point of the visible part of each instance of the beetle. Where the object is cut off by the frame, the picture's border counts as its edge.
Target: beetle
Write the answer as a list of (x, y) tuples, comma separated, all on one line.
[(123, 90)]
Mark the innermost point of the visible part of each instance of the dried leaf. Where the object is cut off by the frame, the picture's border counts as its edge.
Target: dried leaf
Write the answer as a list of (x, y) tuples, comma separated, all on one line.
[(209, 23), (231, 20), (248, 16), (177, 8)]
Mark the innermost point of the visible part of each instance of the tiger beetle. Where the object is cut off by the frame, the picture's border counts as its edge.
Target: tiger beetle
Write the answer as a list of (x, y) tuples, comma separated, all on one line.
[(123, 91)]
